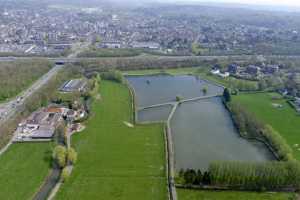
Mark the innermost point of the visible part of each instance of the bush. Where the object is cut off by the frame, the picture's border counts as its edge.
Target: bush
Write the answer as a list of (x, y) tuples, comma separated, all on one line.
[(278, 143), (204, 90), (192, 177), (60, 155), (72, 155), (113, 75), (178, 98), (65, 174), (226, 95)]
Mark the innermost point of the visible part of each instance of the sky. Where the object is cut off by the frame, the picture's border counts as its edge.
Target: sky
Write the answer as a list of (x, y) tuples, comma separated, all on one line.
[(256, 2)]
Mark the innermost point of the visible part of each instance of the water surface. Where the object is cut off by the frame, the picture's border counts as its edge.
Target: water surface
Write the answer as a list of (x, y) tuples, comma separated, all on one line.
[(202, 130), (159, 89)]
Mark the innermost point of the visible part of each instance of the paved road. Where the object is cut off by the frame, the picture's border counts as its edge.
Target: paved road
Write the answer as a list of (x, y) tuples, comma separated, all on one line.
[(10, 108)]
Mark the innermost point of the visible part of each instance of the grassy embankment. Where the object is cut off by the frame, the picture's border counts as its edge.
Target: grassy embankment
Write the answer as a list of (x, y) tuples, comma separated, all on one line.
[(23, 168), (285, 120), (114, 160), (19, 75)]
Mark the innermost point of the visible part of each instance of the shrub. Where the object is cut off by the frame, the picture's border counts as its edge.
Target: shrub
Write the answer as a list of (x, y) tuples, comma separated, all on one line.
[(179, 98), (113, 75), (226, 95), (278, 143), (65, 174), (204, 90), (72, 155), (60, 155)]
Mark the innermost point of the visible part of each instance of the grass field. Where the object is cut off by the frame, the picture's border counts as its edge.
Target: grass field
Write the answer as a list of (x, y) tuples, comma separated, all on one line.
[(221, 195), (23, 168), (285, 120), (114, 160)]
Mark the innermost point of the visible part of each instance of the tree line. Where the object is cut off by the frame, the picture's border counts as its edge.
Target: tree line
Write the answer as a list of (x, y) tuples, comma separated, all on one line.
[(256, 176), (249, 126)]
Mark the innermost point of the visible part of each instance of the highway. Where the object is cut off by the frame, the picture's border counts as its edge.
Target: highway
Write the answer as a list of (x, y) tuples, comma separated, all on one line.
[(10, 108)]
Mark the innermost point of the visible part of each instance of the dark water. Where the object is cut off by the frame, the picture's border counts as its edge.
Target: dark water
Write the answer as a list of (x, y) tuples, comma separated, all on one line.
[(202, 131), (158, 89), (160, 113)]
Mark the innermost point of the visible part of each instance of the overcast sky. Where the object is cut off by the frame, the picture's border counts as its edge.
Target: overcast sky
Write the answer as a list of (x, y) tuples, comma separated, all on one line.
[(260, 2)]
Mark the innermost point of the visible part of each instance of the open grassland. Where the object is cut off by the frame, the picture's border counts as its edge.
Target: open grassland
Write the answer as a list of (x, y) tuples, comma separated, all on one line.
[(266, 106), (23, 168), (19, 75), (114, 160), (231, 195)]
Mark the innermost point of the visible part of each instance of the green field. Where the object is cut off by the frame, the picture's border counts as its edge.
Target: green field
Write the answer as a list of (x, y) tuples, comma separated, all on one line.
[(23, 168), (221, 195), (285, 120), (114, 160)]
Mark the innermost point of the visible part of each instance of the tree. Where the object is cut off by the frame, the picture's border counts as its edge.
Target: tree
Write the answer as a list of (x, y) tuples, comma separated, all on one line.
[(72, 155), (204, 90), (199, 177), (65, 174), (226, 95), (190, 176), (60, 155), (179, 98), (206, 178), (262, 85)]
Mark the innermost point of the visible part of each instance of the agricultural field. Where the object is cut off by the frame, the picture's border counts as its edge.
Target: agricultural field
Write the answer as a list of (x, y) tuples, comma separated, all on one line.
[(19, 75), (116, 160), (23, 168), (272, 109), (231, 195)]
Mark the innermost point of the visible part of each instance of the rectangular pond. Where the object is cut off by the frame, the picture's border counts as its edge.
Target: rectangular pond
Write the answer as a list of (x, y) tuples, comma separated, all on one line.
[(158, 89), (202, 130)]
